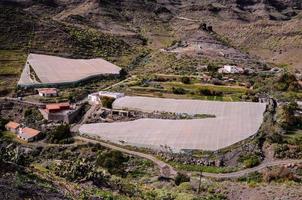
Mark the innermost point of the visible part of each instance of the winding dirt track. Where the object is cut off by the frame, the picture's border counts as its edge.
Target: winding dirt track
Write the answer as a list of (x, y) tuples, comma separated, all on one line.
[(250, 170), (168, 171)]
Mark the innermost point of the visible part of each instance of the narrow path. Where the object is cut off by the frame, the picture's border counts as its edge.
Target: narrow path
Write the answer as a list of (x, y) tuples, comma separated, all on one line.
[(116, 84), (166, 170), (187, 19), (250, 170)]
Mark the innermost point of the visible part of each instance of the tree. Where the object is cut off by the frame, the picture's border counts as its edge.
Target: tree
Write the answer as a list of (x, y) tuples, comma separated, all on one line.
[(60, 134), (212, 67), (178, 90), (113, 160), (107, 102), (185, 80), (181, 178), (3, 122), (286, 115)]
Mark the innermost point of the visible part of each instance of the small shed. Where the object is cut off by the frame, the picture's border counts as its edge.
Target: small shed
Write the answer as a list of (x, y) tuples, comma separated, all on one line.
[(12, 126), (29, 134)]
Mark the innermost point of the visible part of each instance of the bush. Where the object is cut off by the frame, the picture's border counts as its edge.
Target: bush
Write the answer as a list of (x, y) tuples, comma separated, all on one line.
[(212, 67), (185, 80), (113, 161), (249, 160), (208, 92), (60, 134), (178, 90), (286, 115), (3, 122), (107, 102), (286, 82), (181, 178)]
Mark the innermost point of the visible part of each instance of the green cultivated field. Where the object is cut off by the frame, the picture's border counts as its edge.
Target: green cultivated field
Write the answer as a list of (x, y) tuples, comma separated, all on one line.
[(11, 64)]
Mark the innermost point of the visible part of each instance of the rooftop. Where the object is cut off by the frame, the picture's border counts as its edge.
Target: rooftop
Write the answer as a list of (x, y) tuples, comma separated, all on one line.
[(12, 125), (57, 106), (29, 132)]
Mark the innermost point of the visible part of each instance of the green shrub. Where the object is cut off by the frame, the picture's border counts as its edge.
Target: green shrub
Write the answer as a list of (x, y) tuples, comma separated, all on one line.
[(212, 67), (178, 90), (249, 160), (286, 82), (254, 177), (107, 102), (114, 161), (286, 115), (181, 178), (208, 92), (185, 80), (3, 122), (60, 134)]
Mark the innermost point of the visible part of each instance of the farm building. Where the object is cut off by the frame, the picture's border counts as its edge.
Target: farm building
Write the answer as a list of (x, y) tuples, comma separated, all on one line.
[(230, 69), (95, 98), (12, 127), (57, 107), (233, 122), (29, 134), (48, 92), (60, 112), (45, 70)]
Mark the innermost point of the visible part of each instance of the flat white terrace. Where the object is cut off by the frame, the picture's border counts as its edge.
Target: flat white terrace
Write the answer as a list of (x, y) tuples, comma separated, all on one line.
[(234, 121), (58, 70)]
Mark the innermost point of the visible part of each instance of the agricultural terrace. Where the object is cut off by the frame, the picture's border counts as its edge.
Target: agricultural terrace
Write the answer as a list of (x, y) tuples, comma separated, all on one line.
[(234, 121), (185, 87), (51, 70)]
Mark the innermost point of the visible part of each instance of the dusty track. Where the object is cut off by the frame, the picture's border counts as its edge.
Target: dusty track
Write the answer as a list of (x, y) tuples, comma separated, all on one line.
[(168, 171), (250, 170)]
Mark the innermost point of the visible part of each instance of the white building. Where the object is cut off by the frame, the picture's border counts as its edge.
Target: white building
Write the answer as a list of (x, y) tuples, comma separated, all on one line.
[(48, 92), (95, 98), (230, 69)]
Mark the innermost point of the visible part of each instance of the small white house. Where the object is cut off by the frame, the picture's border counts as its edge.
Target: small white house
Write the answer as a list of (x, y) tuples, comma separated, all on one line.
[(230, 69), (95, 98), (48, 92)]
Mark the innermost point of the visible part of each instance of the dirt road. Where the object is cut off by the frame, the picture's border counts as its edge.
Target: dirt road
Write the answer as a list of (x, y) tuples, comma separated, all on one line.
[(168, 171), (250, 170)]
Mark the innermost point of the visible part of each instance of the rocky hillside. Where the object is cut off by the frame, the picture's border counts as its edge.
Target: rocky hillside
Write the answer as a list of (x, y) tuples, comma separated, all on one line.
[(268, 29), (146, 36)]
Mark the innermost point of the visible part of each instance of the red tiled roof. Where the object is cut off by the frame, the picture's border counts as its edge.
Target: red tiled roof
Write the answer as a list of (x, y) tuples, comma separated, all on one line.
[(30, 132), (12, 125), (57, 106), (52, 106)]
